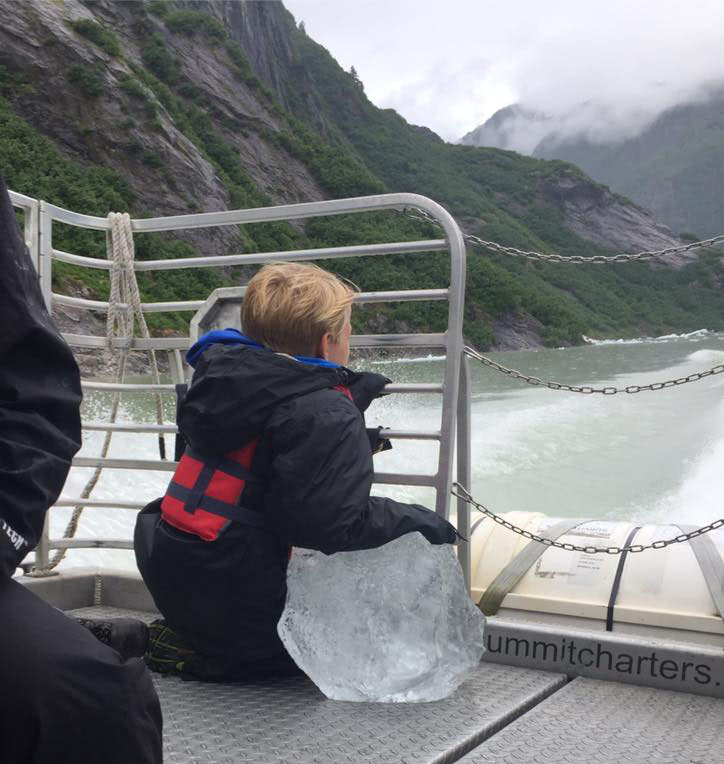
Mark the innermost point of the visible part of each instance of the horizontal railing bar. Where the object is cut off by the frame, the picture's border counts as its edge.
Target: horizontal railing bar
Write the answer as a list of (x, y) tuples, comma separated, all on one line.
[(403, 296), (353, 205), (169, 307), (168, 466), (148, 307), (399, 201), (225, 261), (82, 260), (127, 387), (322, 253), (124, 464), (398, 340), (61, 215), (387, 478), (130, 427), (411, 434), (91, 544), (189, 305), (409, 387), (182, 343), (134, 343), (395, 478), (67, 501), (134, 427), (20, 200)]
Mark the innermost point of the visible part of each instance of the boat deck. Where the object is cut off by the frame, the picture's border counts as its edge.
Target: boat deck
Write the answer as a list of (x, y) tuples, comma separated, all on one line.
[(503, 714)]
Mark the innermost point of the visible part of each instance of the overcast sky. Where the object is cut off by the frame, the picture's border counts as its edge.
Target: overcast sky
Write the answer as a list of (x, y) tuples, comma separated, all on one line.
[(450, 65)]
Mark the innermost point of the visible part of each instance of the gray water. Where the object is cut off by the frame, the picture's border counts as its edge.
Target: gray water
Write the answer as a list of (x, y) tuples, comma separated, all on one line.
[(652, 457)]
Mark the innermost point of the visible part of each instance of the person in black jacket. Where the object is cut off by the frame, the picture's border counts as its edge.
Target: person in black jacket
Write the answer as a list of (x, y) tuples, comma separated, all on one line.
[(64, 695), (277, 456)]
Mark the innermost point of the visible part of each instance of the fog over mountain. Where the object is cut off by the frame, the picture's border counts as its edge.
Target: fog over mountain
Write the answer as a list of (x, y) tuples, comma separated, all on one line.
[(531, 128), (673, 166), (609, 68)]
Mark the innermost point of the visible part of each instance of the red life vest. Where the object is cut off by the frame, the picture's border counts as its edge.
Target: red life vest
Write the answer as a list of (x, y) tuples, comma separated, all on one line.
[(205, 492)]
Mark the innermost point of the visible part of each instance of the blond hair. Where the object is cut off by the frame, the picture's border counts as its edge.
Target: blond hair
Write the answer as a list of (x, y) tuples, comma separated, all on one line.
[(289, 307)]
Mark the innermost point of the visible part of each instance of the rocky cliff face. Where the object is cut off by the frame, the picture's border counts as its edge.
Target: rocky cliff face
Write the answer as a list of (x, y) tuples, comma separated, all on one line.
[(595, 214), (117, 127)]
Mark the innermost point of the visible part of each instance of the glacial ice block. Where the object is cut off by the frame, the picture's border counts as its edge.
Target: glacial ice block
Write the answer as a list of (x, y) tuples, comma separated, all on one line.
[(392, 624)]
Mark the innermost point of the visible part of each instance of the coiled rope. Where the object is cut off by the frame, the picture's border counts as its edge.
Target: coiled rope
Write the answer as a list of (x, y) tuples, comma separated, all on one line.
[(125, 312)]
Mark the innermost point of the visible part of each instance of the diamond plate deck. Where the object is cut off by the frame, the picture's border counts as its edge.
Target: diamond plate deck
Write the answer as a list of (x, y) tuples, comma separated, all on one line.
[(104, 611), (595, 722), (290, 722)]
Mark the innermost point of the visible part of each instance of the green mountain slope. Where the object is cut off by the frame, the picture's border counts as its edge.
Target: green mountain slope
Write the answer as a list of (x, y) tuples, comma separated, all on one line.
[(181, 107), (674, 168)]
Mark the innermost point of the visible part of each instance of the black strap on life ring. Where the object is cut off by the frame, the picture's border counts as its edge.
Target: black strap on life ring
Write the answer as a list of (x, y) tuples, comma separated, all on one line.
[(617, 580)]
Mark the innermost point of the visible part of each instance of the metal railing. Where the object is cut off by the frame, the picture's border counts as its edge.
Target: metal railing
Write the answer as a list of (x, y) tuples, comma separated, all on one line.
[(40, 218), (31, 209)]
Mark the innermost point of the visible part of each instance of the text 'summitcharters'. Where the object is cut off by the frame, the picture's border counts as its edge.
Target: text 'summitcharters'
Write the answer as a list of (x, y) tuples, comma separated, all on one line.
[(616, 658)]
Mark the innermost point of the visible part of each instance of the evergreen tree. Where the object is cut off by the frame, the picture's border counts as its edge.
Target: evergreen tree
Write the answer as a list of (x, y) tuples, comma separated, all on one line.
[(355, 78)]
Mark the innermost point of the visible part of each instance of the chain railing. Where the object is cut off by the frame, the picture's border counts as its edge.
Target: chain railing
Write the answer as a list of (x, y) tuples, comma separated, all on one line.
[(460, 492), (501, 249), (587, 389)]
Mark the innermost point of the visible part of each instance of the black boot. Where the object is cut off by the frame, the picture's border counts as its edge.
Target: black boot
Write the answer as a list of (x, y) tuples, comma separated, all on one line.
[(127, 636), (167, 651)]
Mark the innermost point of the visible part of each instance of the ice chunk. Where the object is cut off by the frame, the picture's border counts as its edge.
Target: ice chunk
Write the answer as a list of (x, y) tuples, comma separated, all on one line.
[(392, 624)]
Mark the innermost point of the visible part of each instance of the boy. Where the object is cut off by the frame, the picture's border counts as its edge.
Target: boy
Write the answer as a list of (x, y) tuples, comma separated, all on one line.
[(277, 456)]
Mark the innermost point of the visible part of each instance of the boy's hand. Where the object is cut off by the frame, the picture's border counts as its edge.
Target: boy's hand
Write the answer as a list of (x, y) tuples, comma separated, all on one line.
[(377, 443), (436, 529)]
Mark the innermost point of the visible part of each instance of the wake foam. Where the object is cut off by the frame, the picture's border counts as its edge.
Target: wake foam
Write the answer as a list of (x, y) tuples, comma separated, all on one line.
[(708, 356), (695, 335), (421, 359), (698, 499)]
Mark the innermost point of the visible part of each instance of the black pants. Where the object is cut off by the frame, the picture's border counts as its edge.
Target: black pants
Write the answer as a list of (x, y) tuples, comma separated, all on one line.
[(64, 696), (222, 599)]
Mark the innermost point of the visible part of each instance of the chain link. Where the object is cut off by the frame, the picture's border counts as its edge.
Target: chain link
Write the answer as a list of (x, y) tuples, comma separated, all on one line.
[(585, 389), (493, 246), (461, 493)]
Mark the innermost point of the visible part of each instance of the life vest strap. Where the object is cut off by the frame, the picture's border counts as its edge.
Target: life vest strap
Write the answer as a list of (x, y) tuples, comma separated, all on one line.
[(234, 512), (225, 464)]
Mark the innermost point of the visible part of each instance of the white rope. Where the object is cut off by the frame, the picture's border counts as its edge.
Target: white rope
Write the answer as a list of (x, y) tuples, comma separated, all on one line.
[(124, 305), (124, 255)]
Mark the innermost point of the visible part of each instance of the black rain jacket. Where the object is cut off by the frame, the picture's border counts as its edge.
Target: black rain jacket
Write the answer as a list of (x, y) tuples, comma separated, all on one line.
[(39, 400), (314, 459)]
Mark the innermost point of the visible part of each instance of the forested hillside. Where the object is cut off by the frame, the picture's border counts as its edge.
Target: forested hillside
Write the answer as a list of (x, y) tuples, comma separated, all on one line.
[(171, 107), (675, 167)]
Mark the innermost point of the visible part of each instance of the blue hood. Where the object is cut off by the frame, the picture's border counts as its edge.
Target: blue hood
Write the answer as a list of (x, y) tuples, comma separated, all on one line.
[(235, 337)]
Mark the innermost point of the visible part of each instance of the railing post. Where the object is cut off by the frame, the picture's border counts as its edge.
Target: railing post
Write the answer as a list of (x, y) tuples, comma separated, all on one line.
[(42, 550), (32, 233), (176, 365), (45, 256), (464, 469), (30, 208), (453, 353)]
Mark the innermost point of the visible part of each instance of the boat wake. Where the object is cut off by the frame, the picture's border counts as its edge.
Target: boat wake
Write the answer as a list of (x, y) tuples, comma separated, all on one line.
[(695, 335)]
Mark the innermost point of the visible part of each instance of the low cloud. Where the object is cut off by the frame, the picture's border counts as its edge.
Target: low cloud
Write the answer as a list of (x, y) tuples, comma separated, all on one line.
[(604, 69)]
